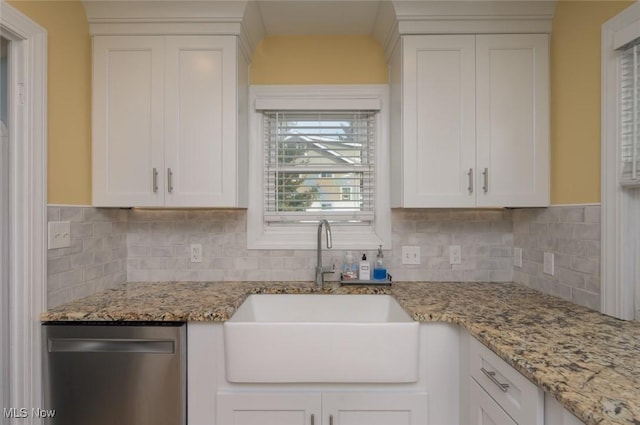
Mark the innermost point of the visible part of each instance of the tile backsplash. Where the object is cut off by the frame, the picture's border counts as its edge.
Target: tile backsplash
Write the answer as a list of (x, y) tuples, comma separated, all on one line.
[(158, 247), (97, 257), (111, 246), (572, 234)]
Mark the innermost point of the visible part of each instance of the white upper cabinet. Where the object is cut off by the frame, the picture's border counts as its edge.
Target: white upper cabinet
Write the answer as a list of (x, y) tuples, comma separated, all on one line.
[(165, 119), (470, 121), (128, 115), (512, 120), (438, 121)]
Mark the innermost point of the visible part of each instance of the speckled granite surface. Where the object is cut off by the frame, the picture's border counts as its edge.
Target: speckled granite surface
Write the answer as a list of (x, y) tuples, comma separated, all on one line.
[(587, 361)]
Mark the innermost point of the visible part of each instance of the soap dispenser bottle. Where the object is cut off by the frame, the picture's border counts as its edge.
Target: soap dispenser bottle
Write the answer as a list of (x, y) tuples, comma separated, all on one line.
[(364, 271), (379, 270)]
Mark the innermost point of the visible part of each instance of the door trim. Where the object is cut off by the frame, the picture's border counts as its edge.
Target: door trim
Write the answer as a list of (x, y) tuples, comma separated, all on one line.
[(620, 207), (28, 194)]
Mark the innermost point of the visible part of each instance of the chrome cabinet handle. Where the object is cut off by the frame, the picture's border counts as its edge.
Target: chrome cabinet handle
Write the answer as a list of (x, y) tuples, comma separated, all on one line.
[(470, 175), (330, 419), (485, 173), (313, 419), (492, 378), (155, 180), (170, 180), (110, 345)]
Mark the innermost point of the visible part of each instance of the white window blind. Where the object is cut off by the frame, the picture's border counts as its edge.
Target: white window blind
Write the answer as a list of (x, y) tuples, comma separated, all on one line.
[(319, 164), (630, 114)]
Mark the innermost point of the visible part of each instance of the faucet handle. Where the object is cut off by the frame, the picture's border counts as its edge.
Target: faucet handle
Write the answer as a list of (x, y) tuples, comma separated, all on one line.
[(328, 269)]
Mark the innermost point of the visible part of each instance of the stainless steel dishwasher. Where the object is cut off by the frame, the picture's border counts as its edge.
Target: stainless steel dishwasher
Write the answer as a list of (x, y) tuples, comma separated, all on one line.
[(108, 373)]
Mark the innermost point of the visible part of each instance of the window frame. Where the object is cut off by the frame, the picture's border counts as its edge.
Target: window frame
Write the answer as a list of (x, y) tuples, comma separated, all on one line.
[(629, 170), (327, 97)]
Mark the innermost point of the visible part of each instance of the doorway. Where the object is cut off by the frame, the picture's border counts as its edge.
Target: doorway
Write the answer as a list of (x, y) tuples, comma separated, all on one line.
[(4, 224), (23, 216)]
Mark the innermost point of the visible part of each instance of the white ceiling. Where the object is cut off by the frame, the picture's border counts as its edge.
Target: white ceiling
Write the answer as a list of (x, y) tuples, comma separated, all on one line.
[(314, 17)]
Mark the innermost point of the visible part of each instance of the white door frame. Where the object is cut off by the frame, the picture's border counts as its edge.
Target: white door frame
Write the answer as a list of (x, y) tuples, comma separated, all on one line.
[(28, 195), (620, 207)]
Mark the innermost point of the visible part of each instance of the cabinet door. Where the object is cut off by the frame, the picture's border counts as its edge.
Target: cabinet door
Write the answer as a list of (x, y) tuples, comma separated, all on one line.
[(513, 120), (556, 414), (200, 127), (375, 409), (483, 410), (128, 99), (439, 121), (269, 409)]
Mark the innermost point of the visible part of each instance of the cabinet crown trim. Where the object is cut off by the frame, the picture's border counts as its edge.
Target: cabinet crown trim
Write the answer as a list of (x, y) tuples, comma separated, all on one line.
[(422, 17), (141, 17)]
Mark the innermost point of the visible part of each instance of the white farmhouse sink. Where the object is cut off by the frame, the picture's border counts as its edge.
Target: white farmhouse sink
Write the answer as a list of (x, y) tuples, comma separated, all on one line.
[(321, 338)]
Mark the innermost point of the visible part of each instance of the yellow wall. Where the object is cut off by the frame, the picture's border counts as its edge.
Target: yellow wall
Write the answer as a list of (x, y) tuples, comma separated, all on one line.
[(575, 99), (575, 89), (69, 97), (332, 59)]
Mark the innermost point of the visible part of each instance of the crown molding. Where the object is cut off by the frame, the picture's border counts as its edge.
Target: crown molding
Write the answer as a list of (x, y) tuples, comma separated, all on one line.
[(411, 17), (177, 17)]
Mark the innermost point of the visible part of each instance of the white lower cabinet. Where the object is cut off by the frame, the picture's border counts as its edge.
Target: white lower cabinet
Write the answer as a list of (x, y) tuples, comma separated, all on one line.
[(461, 382), (335, 408), (483, 410), (556, 414), (269, 408), (375, 409), (499, 394)]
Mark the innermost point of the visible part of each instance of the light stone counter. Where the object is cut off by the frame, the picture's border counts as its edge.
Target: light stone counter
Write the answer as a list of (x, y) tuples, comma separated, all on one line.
[(589, 362)]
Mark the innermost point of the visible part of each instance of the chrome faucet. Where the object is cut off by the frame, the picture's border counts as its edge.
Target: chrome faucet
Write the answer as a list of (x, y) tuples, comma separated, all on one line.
[(320, 271)]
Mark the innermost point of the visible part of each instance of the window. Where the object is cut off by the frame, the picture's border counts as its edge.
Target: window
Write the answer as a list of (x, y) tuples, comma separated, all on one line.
[(630, 114), (318, 152), (312, 159)]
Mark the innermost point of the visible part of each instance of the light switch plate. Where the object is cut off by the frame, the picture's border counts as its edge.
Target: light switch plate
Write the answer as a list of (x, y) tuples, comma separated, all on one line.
[(517, 257), (410, 255), (547, 264), (59, 234), (455, 254), (196, 253)]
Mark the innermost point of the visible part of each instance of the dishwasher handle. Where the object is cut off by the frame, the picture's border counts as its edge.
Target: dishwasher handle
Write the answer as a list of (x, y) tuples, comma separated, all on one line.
[(114, 345)]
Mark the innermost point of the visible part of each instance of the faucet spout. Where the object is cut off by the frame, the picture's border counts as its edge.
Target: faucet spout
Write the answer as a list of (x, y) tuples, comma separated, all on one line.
[(320, 271)]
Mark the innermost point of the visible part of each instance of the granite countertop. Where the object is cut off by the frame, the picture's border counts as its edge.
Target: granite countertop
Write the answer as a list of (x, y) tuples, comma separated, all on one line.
[(589, 362)]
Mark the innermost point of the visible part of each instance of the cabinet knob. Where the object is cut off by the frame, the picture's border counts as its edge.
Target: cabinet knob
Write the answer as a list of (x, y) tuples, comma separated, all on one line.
[(313, 419), (330, 419), (470, 175)]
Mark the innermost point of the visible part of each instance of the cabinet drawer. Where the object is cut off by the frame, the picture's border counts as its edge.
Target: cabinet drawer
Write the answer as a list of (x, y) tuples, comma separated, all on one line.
[(520, 398), (484, 410)]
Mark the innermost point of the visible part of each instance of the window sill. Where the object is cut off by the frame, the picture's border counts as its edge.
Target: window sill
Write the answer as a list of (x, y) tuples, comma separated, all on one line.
[(305, 238)]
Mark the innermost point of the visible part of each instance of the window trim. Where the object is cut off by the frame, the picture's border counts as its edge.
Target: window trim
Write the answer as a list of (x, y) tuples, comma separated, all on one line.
[(620, 206), (260, 236)]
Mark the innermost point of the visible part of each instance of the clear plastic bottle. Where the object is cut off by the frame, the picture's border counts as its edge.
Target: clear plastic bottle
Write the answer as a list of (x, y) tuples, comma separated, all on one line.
[(349, 268), (379, 270)]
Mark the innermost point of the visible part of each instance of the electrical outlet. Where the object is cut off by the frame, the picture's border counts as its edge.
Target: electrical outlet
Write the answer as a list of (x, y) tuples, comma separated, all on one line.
[(410, 255), (59, 234), (196, 253), (455, 254), (517, 257), (547, 264)]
